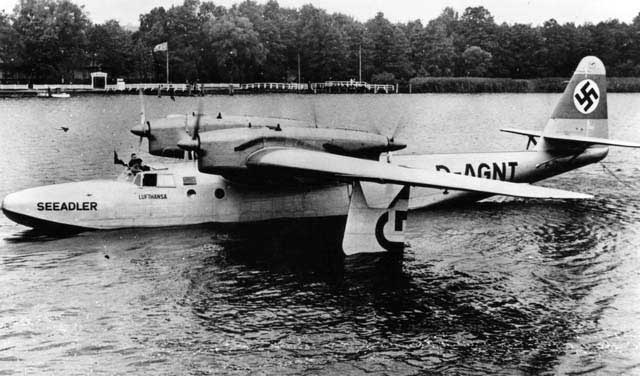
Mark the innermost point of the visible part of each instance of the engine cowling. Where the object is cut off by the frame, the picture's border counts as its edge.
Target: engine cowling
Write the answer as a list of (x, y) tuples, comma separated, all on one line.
[(226, 151)]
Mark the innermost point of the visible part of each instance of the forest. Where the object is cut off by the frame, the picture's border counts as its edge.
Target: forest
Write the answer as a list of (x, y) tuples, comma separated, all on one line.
[(45, 41)]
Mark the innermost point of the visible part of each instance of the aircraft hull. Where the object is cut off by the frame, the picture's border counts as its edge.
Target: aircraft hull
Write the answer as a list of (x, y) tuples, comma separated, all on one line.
[(112, 204)]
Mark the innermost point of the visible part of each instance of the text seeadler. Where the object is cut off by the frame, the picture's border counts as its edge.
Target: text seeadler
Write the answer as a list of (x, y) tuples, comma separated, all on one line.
[(62, 206)]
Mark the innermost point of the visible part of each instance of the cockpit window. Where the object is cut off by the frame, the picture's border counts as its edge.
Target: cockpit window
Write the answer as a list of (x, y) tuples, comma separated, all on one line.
[(149, 180), (155, 180)]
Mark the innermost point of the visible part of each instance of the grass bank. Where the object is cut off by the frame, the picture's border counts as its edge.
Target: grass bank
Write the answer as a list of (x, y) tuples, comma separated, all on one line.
[(508, 85)]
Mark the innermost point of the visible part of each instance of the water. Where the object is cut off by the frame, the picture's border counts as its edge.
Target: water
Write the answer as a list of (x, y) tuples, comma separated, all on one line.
[(500, 287)]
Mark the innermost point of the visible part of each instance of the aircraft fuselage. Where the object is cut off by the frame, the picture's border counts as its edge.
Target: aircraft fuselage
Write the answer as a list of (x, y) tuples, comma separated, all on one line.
[(181, 195)]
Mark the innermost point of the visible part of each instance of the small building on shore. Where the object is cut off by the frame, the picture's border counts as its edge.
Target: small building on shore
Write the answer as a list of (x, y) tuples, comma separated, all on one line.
[(99, 80)]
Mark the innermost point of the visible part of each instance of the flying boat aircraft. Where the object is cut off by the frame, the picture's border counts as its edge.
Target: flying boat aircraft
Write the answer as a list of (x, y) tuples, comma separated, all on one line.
[(248, 170)]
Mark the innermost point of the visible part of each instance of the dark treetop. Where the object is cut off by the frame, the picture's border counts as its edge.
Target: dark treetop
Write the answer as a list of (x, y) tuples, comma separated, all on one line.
[(43, 41)]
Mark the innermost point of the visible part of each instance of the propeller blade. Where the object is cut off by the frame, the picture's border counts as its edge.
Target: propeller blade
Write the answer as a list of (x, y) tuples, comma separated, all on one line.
[(315, 115), (143, 118), (392, 143), (196, 153), (196, 127), (400, 124)]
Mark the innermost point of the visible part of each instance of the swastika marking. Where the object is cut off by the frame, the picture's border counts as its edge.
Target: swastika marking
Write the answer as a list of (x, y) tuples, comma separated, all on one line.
[(586, 96)]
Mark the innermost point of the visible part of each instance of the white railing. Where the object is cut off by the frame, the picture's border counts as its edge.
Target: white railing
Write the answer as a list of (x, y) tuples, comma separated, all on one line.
[(274, 86), (136, 87), (62, 87), (355, 84), (346, 83), (284, 86), (14, 87), (145, 86), (220, 86)]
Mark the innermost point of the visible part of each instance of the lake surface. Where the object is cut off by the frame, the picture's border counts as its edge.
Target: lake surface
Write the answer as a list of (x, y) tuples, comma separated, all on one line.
[(499, 287)]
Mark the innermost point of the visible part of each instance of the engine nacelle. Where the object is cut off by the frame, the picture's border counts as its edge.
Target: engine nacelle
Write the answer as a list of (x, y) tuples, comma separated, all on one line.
[(226, 151)]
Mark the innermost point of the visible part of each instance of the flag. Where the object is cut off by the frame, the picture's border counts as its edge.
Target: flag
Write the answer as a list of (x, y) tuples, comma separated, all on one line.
[(161, 47)]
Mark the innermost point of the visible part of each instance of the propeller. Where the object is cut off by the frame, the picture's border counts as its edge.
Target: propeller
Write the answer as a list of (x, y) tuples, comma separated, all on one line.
[(145, 132), (315, 115), (144, 128), (143, 117), (392, 145), (196, 129), (398, 128)]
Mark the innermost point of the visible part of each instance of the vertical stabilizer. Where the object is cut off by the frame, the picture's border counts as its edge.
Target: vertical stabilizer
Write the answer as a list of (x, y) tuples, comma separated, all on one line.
[(582, 109)]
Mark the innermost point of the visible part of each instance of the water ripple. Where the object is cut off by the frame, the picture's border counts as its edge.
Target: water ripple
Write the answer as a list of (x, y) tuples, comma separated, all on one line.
[(505, 286)]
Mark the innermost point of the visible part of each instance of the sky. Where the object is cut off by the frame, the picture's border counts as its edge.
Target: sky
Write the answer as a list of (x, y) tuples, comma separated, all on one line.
[(533, 12)]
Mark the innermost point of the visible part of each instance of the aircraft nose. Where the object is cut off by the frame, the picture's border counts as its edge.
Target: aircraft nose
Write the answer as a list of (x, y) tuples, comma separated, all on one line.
[(11, 202), (15, 204)]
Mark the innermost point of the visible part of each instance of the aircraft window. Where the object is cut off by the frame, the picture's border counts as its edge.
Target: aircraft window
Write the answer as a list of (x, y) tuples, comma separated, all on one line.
[(136, 181), (149, 180), (158, 180), (166, 181), (189, 180)]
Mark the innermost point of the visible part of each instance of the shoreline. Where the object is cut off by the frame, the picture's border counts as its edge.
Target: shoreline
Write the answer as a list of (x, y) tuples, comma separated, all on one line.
[(472, 85), (417, 85)]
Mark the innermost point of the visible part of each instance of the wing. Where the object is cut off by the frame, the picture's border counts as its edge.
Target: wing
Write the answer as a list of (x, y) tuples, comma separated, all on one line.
[(349, 168)]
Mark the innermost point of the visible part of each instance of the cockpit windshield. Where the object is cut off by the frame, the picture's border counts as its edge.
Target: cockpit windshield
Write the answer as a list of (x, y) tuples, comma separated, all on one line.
[(150, 179)]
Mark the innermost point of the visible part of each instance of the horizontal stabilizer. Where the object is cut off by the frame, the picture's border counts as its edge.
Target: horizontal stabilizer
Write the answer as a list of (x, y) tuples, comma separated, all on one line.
[(522, 132), (592, 140), (355, 169), (574, 138)]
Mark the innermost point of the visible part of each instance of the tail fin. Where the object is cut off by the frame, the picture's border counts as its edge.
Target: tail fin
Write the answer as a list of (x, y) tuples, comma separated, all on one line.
[(580, 118), (582, 109)]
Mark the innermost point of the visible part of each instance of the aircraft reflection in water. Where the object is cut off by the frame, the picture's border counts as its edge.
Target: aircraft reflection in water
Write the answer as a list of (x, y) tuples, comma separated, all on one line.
[(252, 169)]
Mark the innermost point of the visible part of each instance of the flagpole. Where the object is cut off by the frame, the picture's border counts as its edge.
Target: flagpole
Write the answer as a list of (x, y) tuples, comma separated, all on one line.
[(298, 70), (167, 62), (360, 63)]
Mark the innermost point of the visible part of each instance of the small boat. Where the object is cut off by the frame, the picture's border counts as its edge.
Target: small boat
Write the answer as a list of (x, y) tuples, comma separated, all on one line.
[(60, 95)]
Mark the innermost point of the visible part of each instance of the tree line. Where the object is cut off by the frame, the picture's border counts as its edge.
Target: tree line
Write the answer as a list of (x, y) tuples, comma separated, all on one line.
[(44, 41)]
